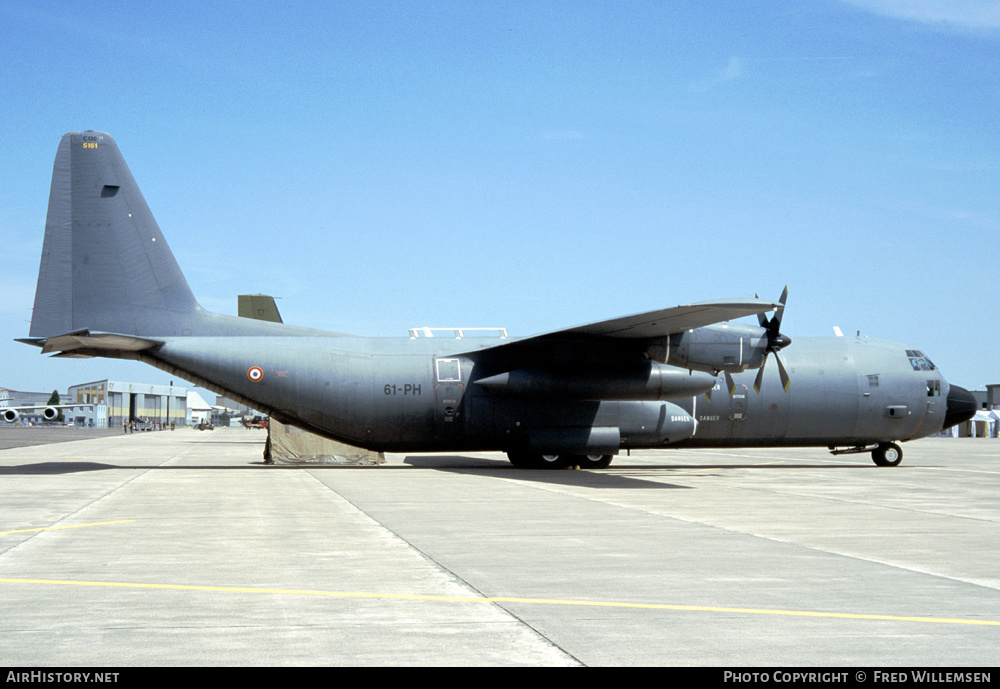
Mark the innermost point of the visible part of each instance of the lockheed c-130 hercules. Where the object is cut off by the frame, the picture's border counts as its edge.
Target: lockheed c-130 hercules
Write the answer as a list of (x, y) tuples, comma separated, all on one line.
[(109, 286)]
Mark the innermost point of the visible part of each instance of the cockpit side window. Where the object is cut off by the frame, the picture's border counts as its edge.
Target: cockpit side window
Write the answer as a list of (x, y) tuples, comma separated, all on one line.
[(919, 362)]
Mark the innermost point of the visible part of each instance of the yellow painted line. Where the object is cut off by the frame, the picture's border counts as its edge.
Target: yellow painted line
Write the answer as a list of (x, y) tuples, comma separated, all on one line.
[(504, 599), (69, 526)]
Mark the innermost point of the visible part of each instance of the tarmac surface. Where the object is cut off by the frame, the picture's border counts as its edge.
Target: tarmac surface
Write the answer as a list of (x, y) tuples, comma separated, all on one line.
[(183, 548), (23, 436)]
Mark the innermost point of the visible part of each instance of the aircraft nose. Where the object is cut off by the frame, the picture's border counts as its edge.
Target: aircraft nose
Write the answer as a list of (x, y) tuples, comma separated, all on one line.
[(961, 406)]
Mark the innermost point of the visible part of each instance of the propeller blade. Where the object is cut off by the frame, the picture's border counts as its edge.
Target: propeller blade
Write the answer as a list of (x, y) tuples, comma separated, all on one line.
[(775, 324), (760, 374), (730, 384), (786, 382), (761, 318)]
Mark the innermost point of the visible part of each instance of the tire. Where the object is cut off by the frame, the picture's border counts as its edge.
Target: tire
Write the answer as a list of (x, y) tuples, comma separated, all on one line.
[(553, 461), (537, 460), (887, 455), (521, 460), (594, 461)]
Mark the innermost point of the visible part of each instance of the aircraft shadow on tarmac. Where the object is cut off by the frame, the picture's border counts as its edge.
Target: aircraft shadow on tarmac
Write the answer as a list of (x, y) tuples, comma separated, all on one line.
[(53, 468), (651, 476), (594, 479), (583, 479), (457, 465)]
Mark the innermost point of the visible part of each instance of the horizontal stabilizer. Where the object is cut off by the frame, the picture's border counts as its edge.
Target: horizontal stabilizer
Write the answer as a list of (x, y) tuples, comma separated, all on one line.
[(82, 342), (259, 306)]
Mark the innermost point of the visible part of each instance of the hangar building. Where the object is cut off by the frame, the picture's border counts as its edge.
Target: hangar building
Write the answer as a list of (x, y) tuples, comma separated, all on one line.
[(117, 401)]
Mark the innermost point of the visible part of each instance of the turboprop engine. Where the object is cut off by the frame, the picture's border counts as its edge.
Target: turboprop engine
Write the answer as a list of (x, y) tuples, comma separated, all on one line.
[(647, 381), (728, 347), (731, 348)]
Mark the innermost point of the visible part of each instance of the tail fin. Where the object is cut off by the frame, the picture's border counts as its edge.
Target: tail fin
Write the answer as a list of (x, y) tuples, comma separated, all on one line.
[(105, 265)]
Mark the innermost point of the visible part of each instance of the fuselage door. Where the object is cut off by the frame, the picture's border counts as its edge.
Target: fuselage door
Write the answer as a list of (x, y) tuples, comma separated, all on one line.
[(871, 406), (738, 403), (449, 389)]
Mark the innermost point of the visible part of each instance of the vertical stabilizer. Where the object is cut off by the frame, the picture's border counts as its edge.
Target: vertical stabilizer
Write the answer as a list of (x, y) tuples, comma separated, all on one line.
[(105, 265)]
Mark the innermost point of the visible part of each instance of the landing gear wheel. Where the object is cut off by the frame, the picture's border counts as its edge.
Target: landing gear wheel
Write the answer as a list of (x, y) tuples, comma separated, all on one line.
[(594, 461), (554, 461), (887, 455), (521, 460), (537, 460)]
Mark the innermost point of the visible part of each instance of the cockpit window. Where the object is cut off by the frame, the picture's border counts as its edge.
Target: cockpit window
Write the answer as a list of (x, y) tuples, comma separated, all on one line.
[(919, 362)]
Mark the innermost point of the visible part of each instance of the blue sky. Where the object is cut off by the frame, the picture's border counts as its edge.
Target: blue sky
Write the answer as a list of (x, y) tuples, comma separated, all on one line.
[(534, 165)]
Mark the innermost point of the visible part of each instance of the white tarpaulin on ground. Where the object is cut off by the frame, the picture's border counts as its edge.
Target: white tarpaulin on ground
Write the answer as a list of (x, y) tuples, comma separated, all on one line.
[(292, 445)]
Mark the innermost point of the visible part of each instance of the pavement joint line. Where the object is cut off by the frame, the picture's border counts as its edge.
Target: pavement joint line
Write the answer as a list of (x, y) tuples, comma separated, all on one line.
[(506, 599), (67, 526), (440, 565)]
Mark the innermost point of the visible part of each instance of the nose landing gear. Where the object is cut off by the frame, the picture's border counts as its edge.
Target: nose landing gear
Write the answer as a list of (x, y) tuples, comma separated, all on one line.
[(887, 454), (883, 454)]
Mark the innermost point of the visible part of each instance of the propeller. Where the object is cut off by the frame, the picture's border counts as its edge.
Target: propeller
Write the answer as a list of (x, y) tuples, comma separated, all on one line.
[(775, 342), (730, 384)]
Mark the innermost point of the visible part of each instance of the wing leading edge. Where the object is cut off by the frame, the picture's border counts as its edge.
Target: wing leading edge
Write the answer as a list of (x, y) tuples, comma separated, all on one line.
[(627, 336), (669, 321)]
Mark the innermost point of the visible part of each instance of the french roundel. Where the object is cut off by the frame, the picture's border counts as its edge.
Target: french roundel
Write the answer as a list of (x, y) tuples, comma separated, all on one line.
[(255, 374)]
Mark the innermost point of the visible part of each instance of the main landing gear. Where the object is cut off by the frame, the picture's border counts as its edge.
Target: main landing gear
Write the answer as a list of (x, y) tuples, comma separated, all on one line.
[(536, 460), (883, 454)]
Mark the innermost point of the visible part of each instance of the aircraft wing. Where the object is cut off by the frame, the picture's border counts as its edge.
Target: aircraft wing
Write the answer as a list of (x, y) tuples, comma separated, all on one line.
[(28, 407), (628, 336), (669, 321)]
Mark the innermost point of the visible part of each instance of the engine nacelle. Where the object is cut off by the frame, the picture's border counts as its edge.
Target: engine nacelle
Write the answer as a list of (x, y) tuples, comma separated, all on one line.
[(12, 415), (724, 347), (646, 381)]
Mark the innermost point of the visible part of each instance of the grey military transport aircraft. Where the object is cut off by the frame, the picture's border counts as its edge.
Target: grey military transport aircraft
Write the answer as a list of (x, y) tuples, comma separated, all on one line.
[(109, 286)]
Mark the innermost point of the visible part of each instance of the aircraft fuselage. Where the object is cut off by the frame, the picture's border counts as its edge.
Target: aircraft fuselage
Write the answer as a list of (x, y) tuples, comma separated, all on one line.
[(402, 395)]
